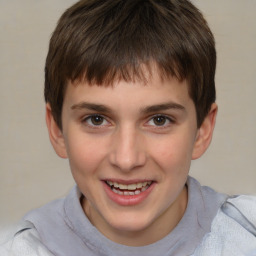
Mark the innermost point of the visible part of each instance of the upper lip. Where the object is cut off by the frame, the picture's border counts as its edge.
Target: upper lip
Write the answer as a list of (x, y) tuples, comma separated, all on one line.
[(127, 182)]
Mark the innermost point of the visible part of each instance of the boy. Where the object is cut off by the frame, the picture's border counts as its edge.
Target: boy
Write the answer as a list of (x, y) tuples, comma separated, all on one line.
[(130, 101)]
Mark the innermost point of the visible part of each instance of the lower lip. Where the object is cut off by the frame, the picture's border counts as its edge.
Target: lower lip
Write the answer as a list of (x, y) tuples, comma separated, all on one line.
[(128, 200)]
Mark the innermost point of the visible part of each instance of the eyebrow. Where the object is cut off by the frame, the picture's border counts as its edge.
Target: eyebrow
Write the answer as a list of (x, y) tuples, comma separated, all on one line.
[(91, 106), (162, 107), (145, 110)]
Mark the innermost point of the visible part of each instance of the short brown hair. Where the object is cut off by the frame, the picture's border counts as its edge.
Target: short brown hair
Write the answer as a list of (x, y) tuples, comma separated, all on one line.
[(100, 41)]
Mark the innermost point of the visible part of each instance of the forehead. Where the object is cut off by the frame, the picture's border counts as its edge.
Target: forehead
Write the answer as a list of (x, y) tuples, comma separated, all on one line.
[(136, 94), (150, 74)]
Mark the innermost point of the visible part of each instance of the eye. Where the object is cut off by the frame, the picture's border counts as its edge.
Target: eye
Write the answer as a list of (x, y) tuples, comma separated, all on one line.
[(95, 120), (160, 120)]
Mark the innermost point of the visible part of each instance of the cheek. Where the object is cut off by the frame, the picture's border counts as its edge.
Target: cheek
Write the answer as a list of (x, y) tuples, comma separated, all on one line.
[(174, 153), (85, 155)]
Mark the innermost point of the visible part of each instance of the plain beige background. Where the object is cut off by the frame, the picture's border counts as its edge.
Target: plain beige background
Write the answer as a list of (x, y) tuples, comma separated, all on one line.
[(30, 172)]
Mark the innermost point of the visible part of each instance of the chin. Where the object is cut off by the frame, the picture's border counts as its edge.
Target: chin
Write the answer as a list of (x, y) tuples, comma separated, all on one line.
[(128, 223)]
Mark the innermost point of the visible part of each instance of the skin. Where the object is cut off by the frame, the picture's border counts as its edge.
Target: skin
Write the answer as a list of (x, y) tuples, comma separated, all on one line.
[(140, 133)]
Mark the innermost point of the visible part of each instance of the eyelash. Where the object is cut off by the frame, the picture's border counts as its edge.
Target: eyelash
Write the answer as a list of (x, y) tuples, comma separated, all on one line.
[(88, 121), (167, 121)]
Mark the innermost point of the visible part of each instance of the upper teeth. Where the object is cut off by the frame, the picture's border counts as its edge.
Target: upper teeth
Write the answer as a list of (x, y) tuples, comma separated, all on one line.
[(129, 186)]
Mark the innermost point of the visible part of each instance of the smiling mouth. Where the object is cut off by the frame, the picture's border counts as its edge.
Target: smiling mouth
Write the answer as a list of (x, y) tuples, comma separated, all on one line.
[(129, 189)]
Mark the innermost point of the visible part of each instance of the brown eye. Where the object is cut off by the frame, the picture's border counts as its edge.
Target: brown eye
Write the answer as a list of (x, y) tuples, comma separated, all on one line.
[(159, 120), (97, 120)]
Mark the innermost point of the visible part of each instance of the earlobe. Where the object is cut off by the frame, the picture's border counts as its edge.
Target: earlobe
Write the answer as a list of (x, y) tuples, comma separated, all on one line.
[(55, 134), (205, 132)]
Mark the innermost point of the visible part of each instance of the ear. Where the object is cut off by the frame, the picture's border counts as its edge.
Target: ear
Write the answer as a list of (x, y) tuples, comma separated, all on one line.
[(205, 132), (55, 133)]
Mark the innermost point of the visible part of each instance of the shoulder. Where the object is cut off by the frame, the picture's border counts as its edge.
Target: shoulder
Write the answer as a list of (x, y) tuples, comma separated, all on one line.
[(244, 204), (233, 230), (22, 239)]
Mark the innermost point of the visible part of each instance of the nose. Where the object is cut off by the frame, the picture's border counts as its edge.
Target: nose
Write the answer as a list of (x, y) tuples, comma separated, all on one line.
[(127, 150)]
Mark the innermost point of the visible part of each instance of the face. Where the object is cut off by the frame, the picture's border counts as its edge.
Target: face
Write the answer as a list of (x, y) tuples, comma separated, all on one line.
[(130, 148)]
